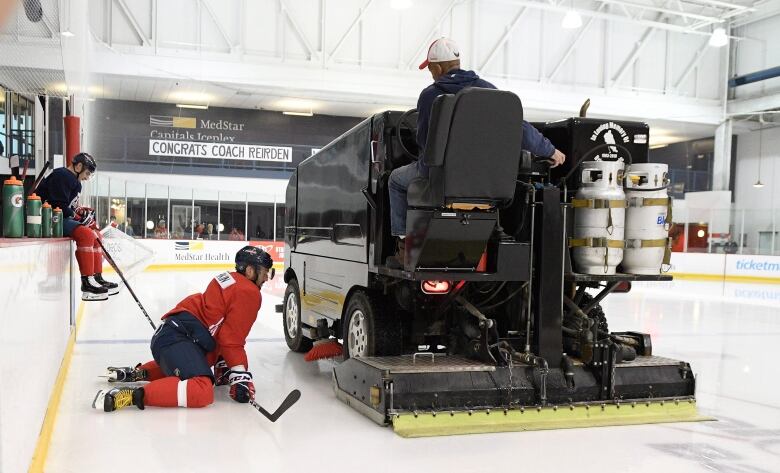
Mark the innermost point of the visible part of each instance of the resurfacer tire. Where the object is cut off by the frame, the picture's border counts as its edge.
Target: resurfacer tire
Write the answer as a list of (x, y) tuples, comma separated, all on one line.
[(291, 319), (369, 328)]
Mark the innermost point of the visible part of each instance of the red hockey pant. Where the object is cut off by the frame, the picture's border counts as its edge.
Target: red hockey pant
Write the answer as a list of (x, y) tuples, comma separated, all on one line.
[(88, 253), (170, 391)]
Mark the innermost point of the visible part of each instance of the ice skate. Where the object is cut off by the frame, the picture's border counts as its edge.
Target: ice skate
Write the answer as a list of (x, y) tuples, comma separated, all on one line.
[(91, 290), (116, 398), (126, 374), (112, 287)]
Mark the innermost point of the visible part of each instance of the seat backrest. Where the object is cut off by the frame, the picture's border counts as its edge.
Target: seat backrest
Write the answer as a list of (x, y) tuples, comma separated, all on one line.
[(474, 146)]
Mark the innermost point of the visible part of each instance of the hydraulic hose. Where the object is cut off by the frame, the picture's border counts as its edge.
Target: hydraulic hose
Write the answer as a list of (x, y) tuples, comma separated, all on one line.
[(568, 370), (591, 152), (537, 362)]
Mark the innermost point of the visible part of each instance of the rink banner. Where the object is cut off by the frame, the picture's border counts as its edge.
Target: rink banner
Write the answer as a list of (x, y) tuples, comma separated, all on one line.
[(234, 141), (753, 267), (723, 267), (193, 149), (205, 254), (210, 255)]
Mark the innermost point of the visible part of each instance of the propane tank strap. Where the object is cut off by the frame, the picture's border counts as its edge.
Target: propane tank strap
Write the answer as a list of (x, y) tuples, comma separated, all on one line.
[(668, 222), (667, 257), (595, 242), (598, 204), (658, 243), (648, 201)]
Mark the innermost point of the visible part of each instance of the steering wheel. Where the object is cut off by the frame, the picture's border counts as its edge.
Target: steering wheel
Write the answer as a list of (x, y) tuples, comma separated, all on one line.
[(401, 124)]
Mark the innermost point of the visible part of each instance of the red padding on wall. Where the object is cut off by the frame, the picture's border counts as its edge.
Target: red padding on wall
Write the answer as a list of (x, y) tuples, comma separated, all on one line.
[(72, 140)]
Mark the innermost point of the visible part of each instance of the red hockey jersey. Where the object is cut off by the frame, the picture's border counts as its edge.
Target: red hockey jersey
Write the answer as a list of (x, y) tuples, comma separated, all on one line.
[(228, 308)]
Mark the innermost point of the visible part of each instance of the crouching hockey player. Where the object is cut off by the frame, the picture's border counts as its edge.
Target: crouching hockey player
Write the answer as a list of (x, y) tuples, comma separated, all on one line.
[(202, 331), (61, 189)]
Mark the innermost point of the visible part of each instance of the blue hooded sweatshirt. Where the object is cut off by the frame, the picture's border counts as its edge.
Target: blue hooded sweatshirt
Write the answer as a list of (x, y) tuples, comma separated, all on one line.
[(61, 189), (451, 83)]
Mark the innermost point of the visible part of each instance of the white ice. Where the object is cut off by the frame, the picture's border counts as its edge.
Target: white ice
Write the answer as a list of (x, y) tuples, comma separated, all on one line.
[(727, 332)]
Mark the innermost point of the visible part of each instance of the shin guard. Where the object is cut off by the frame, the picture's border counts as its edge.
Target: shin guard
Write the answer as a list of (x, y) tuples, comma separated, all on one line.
[(173, 392)]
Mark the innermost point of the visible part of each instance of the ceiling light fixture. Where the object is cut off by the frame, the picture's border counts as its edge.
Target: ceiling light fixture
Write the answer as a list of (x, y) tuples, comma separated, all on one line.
[(572, 20), (299, 114), (67, 34), (718, 38), (191, 105), (400, 4)]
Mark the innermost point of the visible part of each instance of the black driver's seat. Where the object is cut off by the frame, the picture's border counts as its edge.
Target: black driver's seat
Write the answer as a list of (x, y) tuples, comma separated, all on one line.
[(473, 151)]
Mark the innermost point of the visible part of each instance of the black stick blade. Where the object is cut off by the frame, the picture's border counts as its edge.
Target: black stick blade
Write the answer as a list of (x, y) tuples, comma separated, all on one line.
[(288, 402)]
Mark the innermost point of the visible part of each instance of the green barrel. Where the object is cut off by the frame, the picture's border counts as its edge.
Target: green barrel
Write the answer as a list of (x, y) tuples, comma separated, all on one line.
[(13, 208), (56, 222), (33, 216), (46, 217)]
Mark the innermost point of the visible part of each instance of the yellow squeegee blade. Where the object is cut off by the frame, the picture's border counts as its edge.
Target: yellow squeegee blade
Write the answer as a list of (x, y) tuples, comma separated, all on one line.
[(544, 418)]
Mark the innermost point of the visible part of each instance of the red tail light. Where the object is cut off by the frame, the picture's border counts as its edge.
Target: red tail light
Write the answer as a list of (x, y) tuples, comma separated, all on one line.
[(436, 287)]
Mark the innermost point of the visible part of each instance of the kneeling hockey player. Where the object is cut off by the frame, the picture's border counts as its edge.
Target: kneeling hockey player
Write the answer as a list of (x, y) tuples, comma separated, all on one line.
[(202, 331)]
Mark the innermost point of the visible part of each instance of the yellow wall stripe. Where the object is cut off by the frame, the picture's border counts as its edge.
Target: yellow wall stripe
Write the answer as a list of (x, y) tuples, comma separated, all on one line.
[(47, 429), (720, 277), (197, 266), (190, 267)]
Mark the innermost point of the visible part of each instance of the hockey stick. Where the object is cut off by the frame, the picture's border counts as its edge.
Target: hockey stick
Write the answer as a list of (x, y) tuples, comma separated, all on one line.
[(40, 177), (288, 402), (127, 285)]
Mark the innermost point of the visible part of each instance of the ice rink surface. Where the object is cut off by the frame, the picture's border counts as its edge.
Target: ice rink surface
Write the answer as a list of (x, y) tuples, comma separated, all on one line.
[(727, 332)]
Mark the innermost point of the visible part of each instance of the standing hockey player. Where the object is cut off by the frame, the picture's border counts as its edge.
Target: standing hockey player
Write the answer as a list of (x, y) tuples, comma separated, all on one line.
[(202, 331), (61, 189)]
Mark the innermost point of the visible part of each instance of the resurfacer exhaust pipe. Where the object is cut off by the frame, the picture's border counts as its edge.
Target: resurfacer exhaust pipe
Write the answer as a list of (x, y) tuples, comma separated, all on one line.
[(584, 108)]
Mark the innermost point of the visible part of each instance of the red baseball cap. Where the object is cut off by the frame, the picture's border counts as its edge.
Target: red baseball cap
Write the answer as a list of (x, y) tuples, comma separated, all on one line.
[(441, 50)]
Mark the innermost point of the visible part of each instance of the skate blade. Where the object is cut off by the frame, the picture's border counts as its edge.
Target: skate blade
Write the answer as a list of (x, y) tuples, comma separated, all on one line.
[(88, 296), (112, 376), (113, 292)]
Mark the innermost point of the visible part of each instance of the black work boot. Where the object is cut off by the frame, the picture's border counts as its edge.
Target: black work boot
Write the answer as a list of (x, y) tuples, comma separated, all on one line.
[(112, 287), (92, 290), (398, 260)]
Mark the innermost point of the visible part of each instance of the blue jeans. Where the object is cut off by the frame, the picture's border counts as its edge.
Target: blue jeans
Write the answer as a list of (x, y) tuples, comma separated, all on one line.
[(398, 183)]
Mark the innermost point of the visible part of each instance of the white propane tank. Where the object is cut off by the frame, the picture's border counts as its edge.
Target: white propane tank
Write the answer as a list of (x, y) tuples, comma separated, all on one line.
[(599, 218), (648, 218)]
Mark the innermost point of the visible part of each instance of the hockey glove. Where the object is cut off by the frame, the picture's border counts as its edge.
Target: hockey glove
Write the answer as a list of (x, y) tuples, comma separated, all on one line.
[(85, 216), (221, 372), (241, 387)]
